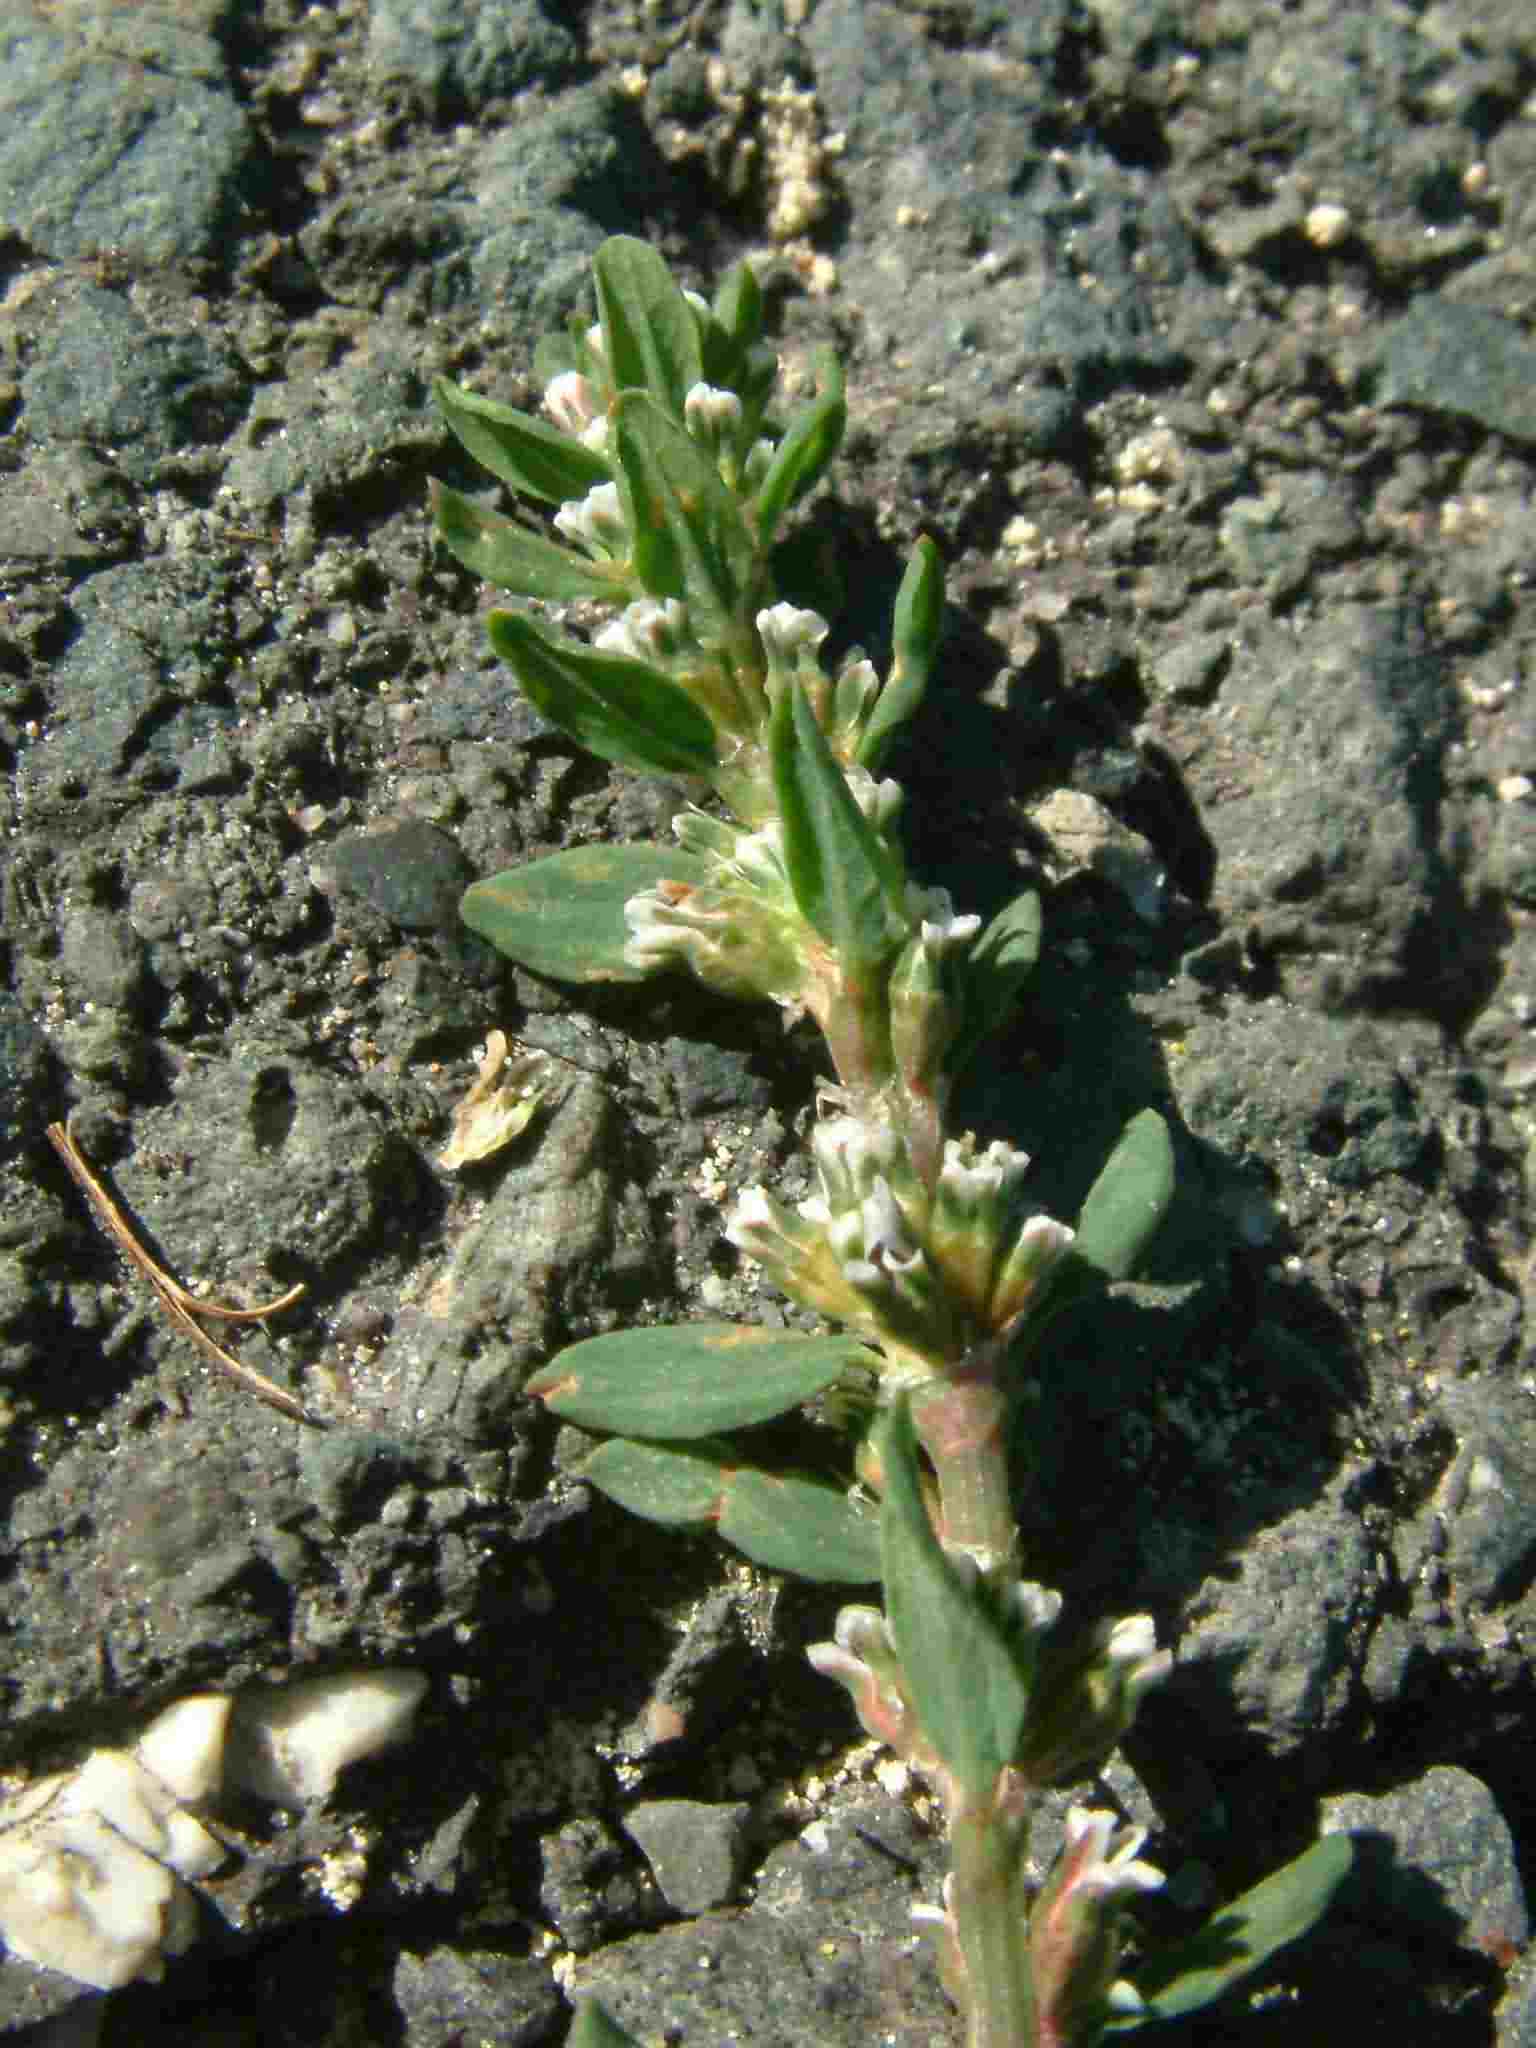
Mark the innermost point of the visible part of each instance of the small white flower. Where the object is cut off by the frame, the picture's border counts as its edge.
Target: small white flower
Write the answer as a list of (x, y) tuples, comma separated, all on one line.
[(710, 414), (968, 1181), (647, 630), (595, 522), (864, 1632), (1132, 1638), (1131, 1645), (1101, 1856), (571, 401), (851, 1155), (1041, 1242), (788, 631), (1037, 1606), (934, 910)]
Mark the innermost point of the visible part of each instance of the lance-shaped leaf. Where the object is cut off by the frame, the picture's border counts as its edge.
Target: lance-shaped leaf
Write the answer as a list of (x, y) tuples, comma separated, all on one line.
[(688, 534), (593, 2027), (523, 452), (914, 643), (960, 1675), (736, 325), (783, 1521), (650, 336), (1129, 1199), (511, 557), (614, 705), (1125, 1205), (564, 916), (993, 972), (803, 456), (845, 882), (692, 1379), (1236, 1941)]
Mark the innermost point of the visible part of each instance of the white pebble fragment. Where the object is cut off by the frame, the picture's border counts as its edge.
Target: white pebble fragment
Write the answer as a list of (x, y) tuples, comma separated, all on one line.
[(91, 1862), (184, 1746), (289, 1743), (1327, 225)]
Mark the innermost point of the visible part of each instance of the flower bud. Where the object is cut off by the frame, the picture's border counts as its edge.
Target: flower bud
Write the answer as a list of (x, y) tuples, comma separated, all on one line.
[(880, 802), (925, 1016), (789, 635), (862, 1658), (1035, 1607), (596, 522), (1075, 1926), (732, 939), (572, 402), (857, 688), (758, 462), (712, 416), (924, 1019), (851, 1154), (973, 1216), (647, 630), (794, 1251), (1025, 1266), (905, 1303), (1086, 1698)]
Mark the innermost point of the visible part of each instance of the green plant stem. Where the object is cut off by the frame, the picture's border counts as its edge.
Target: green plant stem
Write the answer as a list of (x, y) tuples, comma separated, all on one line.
[(855, 1022), (989, 1912), (963, 1428)]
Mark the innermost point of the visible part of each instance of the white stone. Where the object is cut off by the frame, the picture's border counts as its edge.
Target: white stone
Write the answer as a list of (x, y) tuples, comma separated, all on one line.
[(88, 1863), (289, 1743), (184, 1746)]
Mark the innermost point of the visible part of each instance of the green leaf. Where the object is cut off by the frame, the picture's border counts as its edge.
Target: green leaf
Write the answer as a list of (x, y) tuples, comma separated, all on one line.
[(806, 451), (616, 706), (1125, 1205), (734, 358), (564, 916), (692, 1379), (690, 539), (914, 643), (593, 2027), (782, 1521), (650, 336), (523, 452), (968, 1692), (845, 882), (507, 554), (679, 1487), (1179, 1980), (1129, 1199), (738, 304), (788, 1523), (993, 972)]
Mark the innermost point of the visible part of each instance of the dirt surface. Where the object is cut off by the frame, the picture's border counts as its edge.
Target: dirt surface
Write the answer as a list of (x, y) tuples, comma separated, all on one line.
[(1202, 339)]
